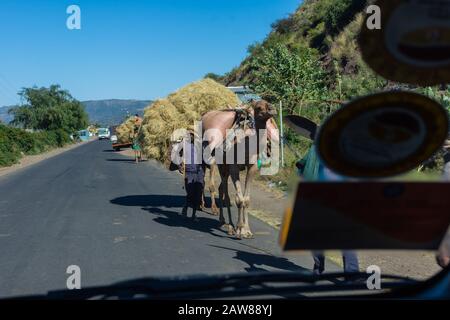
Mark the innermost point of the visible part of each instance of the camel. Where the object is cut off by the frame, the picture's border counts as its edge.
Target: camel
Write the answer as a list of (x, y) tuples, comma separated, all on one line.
[(215, 125)]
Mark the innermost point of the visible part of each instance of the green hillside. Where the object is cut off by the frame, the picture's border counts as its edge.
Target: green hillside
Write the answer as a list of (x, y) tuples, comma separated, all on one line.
[(327, 31), (312, 63), (318, 40)]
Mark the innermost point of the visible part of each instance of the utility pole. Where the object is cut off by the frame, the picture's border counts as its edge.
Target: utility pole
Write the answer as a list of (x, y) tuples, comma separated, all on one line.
[(281, 135)]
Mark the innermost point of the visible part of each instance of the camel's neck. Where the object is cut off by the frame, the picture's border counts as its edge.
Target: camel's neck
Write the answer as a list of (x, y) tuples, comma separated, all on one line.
[(260, 125)]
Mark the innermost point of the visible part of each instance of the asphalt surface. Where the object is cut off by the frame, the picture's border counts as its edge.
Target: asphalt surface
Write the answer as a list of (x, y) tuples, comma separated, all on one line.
[(117, 221)]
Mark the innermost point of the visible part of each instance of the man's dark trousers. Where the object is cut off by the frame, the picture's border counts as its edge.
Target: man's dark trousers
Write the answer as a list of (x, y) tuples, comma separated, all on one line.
[(350, 259)]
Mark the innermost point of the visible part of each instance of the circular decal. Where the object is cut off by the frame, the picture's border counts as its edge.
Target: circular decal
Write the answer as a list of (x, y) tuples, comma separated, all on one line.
[(382, 135), (412, 44)]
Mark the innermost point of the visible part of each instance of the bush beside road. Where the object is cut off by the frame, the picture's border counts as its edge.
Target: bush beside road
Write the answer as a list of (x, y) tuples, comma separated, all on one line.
[(16, 143), (44, 121), (29, 160)]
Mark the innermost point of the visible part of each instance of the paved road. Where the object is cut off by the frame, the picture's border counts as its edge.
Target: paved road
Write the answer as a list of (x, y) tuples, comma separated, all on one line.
[(117, 221)]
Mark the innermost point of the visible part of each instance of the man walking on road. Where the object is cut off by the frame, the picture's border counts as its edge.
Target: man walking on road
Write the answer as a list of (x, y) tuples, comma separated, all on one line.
[(311, 169), (194, 175), (136, 147)]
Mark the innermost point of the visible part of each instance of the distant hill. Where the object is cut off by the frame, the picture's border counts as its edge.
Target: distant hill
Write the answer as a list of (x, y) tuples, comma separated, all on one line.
[(114, 111), (103, 112)]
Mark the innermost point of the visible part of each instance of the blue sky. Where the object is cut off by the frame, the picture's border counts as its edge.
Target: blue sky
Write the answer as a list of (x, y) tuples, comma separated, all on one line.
[(127, 49)]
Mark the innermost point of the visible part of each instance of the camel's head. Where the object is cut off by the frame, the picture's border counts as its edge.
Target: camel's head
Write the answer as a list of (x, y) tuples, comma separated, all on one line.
[(263, 110)]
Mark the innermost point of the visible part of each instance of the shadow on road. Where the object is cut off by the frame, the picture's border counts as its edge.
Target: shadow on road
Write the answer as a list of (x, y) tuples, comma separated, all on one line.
[(151, 200), (120, 160), (256, 260), (152, 203), (176, 219), (155, 200), (125, 160)]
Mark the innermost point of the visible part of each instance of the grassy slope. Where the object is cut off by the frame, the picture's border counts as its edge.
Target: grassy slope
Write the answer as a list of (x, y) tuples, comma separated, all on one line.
[(329, 27)]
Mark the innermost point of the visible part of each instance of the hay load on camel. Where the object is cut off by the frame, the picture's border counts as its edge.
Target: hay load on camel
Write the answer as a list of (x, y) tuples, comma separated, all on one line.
[(180, 110)]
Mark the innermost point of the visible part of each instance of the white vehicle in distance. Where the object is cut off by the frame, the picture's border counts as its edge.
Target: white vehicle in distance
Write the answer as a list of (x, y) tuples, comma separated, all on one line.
[(103, 133), (113, 139)]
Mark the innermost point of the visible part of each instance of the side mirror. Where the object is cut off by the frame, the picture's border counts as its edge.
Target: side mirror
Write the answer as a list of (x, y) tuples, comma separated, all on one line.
[(302, 126)]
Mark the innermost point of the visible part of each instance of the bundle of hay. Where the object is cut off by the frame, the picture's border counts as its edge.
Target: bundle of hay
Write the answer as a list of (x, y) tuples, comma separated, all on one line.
[(179, 111), (125, 131), (160, 120), (199, 97)]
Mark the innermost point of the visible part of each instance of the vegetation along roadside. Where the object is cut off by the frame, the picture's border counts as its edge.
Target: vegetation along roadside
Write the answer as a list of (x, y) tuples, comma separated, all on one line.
[(49, 118)]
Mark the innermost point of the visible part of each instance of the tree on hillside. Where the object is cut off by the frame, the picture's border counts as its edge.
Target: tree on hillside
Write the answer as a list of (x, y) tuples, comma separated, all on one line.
[(49, 109), (293, 76), (214, 76)]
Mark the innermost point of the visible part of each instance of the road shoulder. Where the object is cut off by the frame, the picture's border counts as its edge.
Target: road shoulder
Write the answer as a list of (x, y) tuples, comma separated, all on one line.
[(28, 161)]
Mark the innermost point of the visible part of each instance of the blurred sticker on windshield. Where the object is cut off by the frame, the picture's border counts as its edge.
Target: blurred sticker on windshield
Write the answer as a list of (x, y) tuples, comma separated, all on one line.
[(382, 135), (365, 215), (412, 44)]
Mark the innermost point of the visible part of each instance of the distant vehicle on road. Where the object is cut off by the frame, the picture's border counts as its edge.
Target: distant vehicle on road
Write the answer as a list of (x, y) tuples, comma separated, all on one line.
[(113, 139), (103, 133), (84, 135)]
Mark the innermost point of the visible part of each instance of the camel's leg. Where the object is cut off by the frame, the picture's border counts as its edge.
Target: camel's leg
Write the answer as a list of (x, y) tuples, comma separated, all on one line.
[(202, 203), (234, 171), (221, 203), (222, 194), (228, 205), (251, 171), (212, 190), (224, 199)]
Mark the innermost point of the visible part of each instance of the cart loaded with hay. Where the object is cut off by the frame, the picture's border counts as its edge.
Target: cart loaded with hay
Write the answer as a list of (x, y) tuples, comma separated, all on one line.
[(127, 133)]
